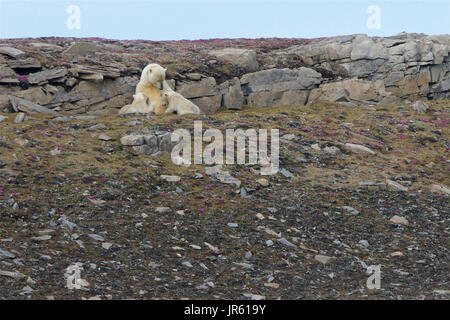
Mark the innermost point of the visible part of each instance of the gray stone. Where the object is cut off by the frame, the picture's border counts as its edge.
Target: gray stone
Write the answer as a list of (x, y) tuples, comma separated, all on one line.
[(19, 118), (44, 76), (241, 57), (208, 105), (356, 148), (10, 274), (202, 88), (6, 255), (96, 237), (280, 80), (278, 98), (399, 220), (233, 97), (419, 106), (12, 52), (29, 107), (132, 140), (82, 48)]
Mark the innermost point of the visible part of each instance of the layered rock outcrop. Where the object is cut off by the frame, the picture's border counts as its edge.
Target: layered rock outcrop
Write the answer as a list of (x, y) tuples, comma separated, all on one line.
[(100, 76)]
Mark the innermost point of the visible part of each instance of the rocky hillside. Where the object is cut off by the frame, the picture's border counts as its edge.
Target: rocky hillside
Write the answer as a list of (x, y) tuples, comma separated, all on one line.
[(96, 75), (363, 177)]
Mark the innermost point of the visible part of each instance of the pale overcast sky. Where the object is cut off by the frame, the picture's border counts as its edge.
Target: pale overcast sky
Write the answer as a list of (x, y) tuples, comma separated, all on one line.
[(174, 20)]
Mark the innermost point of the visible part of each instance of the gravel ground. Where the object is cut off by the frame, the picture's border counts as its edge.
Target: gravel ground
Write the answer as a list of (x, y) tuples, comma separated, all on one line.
[(308, 232)]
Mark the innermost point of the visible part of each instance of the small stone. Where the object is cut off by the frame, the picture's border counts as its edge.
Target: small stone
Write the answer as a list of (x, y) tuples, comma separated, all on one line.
[(211, 247), (55, 152), (42, 238), (3, 118), (364, 243), (269, 243), (104, 137), (132, 140), (6, 255), (272, 285), (171, 178), (262, 181), (260, 216), (106, 245), (316, 146), (96, 237), (399, 220), (395, 186), (14, 275), (351, 210), (419, 106), (187, 264), (286, 173), (356, 148), (286, 242), (254, 296), (19, 118), (232, 225), (332, 151), (248, 255), (162, 209), (323, 259), (439, 189)]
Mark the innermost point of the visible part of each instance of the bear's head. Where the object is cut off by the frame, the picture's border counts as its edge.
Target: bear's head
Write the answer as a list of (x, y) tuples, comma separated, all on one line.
[(140, 98), (164, 99), (154, 74)]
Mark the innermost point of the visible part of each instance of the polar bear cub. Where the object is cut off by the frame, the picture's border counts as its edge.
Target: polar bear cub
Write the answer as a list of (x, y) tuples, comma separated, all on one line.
[(140, 104), (153, 79), (175, 102)]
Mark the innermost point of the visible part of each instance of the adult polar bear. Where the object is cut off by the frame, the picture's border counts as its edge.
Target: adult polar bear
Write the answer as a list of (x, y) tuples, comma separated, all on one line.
[(153, 78)]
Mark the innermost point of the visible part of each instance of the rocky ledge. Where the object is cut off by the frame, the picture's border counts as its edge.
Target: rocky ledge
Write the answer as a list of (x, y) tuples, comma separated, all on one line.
[(98, 75)]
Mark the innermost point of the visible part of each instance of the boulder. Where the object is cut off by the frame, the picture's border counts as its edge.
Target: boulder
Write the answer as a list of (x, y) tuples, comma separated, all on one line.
[(233, 97), (280, 80), (278, 98), (82, 48), (29, 107), (12, 52), (355, 89), (208, 105)]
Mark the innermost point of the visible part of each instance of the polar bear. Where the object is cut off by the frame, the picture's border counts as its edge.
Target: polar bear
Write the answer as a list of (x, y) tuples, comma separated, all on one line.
[(152, 81), (140, 104), (175, 102)]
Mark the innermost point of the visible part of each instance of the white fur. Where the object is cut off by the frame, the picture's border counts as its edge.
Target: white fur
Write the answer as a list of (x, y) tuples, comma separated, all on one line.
[(153, 74), (140, 104), (175, 102)]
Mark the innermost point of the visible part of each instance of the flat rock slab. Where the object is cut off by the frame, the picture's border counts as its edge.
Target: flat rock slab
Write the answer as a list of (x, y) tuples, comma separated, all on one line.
[(44, 76), (29, 107), (12, 52)]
